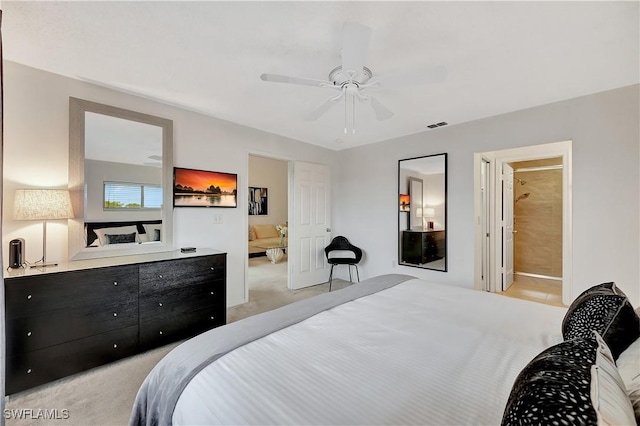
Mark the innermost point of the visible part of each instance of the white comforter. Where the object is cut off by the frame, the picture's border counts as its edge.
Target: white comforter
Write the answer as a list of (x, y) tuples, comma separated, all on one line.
[(417, 353)]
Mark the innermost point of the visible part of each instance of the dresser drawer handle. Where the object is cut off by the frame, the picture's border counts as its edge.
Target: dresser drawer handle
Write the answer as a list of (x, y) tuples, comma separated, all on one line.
[(213, 269), (115, 283), (212, 292), (160, 331), (29, 334), (115, 314), (29, 297), (160, 304), (115, 346), (28, 371), (212, 318), (160, 276)]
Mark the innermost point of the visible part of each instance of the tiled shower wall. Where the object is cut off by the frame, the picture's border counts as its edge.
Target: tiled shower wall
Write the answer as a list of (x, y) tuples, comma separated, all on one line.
[(538, 220)]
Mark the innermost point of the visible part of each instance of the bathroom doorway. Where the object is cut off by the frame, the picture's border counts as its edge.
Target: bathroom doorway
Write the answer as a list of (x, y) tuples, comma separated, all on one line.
[(540, 265), (537, 230)]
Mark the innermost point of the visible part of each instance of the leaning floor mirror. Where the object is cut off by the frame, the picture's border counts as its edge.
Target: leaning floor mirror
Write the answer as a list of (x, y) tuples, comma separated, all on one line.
[(422, 212)]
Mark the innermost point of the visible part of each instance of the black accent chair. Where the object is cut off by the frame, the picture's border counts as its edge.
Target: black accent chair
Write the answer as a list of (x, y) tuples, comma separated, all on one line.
[(340, 243)]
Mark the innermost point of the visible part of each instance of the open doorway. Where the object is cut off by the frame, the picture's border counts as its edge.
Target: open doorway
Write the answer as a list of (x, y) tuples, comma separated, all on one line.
[(523, 226), (268, 209), (537, 230)]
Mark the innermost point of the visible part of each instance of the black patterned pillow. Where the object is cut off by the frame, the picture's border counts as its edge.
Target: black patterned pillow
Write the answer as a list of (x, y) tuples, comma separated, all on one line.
[(603, 308), (571, 383), (120, 238)]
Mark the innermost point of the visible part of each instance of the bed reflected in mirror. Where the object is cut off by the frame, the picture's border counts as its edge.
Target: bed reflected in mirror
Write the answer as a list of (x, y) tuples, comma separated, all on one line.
[(422, 214)]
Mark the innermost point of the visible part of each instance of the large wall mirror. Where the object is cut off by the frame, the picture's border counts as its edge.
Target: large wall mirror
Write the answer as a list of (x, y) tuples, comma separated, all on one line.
[(422, 216), (120, 179)]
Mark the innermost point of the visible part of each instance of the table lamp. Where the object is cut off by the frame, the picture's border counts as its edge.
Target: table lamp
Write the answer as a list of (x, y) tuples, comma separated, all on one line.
[(429, 213), (42, 204)]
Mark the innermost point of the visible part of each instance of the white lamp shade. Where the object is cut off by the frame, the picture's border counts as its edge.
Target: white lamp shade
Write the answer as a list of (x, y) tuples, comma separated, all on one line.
[(42, 204), (429, 212)]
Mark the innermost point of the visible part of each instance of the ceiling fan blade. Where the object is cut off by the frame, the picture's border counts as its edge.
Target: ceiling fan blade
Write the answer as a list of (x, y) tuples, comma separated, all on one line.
[(323, 107), (276, 78), (355, 44), (428, 75), (382, 112)]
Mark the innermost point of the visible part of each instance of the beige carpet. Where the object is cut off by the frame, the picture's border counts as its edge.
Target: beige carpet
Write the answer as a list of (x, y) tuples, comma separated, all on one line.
[(104, 395)]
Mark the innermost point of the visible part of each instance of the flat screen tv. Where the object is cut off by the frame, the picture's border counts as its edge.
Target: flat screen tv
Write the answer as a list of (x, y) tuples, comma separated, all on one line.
[(201, 188)]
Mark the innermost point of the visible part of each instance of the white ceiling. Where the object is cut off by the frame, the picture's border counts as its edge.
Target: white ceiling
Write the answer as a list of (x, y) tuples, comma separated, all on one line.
[(208, 56)]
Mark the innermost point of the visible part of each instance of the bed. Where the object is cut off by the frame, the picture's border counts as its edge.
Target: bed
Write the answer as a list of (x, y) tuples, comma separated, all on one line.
[(390, 350), (99, 234)]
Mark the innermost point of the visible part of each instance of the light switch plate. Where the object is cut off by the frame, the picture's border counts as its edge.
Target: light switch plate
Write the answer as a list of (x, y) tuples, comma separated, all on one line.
[(217, 219)]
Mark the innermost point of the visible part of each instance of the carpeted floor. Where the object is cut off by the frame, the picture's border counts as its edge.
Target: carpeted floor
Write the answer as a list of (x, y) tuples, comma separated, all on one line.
[(104, 395)]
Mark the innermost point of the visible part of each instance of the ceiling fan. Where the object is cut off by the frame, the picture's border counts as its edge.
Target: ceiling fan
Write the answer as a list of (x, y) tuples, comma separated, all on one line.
[(352, 77)]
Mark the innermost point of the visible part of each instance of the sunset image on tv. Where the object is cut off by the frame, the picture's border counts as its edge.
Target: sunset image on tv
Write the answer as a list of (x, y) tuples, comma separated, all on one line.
[(200, 188)]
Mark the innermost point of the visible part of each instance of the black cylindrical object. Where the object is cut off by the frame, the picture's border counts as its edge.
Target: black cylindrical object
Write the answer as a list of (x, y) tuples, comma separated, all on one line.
[(16, 253)]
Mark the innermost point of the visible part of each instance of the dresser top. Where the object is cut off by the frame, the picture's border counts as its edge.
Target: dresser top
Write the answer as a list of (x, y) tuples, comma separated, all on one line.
[(75, 265)]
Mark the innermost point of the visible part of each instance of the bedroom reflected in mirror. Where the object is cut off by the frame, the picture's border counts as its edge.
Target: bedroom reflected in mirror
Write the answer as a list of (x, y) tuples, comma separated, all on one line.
[(422, 217), (120, 168)]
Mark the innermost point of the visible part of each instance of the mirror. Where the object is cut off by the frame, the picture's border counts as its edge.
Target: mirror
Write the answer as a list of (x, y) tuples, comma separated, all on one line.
[(120, 180), (422, 215)]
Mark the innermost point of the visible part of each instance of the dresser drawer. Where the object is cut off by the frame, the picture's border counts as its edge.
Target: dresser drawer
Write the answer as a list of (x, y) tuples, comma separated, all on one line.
[(156, 332), (52, 328), (35, 295), (165, 275), (174, 302), (44, 365)]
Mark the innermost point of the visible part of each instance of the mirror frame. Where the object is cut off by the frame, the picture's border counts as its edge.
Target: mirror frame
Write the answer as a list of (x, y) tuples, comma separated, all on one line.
[(77, 245), (446, 214)]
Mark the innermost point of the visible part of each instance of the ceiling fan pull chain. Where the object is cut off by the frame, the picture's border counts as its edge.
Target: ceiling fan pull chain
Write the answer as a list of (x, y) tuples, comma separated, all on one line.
[(353, 102), (345, 115)]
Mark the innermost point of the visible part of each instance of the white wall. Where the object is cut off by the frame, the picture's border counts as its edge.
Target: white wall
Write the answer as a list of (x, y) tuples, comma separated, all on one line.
[(273, 175), (605, 131), (97, 172), (36, 150)]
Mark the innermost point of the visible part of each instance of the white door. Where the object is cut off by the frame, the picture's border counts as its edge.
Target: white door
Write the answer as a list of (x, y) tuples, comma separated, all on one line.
[(507, 226), (312, 223), (485, 224)]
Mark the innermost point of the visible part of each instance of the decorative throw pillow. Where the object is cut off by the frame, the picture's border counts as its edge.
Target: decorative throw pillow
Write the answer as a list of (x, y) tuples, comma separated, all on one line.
[(559, 386), (150, 229), (633, 391), (114, 231), (603, 308), (120, 238), (266, 231), (252, 233), (629, 363)]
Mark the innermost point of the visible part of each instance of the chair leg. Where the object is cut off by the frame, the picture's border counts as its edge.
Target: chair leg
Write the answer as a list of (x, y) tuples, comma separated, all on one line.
[(358, 273), (331, 276), (350, 279)]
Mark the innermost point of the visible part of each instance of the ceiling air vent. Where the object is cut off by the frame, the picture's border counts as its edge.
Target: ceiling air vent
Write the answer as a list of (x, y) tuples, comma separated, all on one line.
[(440, 124)]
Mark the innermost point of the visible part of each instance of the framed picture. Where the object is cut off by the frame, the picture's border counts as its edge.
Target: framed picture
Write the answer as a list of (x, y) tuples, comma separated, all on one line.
[(258, 201), (405, 203), (201, 188)]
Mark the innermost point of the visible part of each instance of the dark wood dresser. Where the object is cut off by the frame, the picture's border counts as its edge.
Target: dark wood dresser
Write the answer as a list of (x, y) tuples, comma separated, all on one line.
[(83, 314), (420, 247)]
